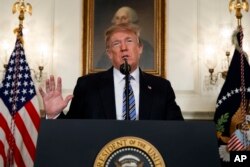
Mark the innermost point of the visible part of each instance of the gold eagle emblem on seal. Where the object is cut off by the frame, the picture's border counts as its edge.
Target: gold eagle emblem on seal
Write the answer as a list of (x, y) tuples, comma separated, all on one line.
[(129, 151)]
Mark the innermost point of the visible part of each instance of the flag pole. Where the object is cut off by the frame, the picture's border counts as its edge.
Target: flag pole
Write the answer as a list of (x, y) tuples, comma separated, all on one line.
[(239, 5), (21, 7)]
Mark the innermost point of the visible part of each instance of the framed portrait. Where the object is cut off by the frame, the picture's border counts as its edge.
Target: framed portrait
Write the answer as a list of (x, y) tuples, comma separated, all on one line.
[(98, 15)]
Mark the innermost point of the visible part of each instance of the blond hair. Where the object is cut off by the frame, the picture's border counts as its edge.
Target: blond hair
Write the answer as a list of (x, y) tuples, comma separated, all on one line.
[(123, 27)]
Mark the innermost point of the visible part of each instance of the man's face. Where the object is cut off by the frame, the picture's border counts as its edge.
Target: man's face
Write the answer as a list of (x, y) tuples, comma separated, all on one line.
[(124, 45), (121, 17)]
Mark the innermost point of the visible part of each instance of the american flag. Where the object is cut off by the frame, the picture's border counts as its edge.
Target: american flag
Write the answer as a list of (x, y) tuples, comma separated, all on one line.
[(238, 141), (19, 112)]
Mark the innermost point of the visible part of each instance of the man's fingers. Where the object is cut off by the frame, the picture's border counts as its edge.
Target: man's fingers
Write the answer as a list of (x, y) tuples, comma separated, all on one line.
[(41, 91), (59, 85), (47, 87), (68, 98), (52, 83)]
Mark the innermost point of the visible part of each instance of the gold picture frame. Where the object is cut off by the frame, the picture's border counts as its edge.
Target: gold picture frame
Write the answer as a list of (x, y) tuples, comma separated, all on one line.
[(95, 18)]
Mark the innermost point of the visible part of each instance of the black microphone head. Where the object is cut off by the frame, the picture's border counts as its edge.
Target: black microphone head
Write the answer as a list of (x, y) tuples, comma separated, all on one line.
[(125, 68)]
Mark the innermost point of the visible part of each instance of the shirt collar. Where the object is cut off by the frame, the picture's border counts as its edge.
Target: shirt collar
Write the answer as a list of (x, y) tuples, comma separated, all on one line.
[(118, 76)]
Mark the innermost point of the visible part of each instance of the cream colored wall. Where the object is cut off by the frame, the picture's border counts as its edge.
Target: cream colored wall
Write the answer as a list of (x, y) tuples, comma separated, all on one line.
[(191, 25), (58, 24)]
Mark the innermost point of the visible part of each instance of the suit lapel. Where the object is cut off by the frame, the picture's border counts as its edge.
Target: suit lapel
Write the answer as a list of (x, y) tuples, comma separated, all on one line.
[(107, 94), (145, 97)]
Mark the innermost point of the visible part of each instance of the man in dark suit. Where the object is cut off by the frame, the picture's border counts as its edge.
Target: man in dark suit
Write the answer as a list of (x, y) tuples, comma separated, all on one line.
[(100, 95)]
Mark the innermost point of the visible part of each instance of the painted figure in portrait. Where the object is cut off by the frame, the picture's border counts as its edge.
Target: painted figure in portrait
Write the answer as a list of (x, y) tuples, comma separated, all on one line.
[(126, 14)]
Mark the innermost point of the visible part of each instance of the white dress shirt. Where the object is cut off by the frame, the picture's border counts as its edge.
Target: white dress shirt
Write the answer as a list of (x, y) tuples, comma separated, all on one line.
[(119, 83)]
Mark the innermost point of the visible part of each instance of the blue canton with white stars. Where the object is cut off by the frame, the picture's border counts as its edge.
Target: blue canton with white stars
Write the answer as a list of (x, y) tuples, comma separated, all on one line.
[(230, 94), (17, 88)]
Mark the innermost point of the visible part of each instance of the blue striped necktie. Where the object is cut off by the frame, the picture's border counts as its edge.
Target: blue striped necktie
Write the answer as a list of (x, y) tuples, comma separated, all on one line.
[(132, 112)]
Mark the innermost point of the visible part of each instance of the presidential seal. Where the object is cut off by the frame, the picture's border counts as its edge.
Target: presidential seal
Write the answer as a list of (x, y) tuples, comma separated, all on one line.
[(129, 151)]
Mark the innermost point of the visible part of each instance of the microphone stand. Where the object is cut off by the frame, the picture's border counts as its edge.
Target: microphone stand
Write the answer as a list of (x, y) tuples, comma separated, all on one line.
[(127, 96), (125, 69)]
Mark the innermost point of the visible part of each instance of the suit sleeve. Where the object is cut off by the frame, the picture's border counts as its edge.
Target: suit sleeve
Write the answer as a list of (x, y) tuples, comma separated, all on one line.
[(76, 110), (173, 110)]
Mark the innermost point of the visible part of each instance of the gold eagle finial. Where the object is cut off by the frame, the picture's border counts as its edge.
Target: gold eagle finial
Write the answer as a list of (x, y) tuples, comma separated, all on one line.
[(21, 7), (238, 5)]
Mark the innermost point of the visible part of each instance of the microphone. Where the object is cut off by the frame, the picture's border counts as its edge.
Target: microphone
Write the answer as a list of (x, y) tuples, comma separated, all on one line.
[(125, 68)]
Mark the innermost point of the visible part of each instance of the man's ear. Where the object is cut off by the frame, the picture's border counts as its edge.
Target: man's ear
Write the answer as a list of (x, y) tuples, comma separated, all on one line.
[(141, 48), (109, 53), (140, 45)]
